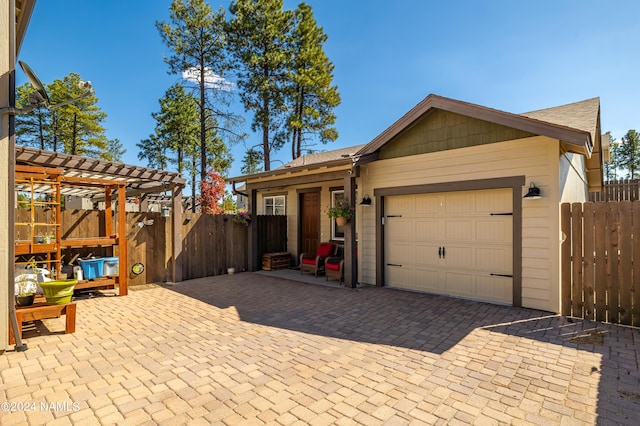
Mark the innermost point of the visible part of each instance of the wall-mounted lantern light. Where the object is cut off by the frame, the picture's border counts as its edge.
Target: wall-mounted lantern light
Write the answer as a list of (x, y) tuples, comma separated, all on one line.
[(366, 200), (533, 193)]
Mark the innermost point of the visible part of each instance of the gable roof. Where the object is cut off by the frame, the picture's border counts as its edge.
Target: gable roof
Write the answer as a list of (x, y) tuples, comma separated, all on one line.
[(580, 140)]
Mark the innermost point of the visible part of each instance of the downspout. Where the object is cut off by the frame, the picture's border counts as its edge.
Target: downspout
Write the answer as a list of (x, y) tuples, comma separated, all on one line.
[(234, 191), (19, 347)]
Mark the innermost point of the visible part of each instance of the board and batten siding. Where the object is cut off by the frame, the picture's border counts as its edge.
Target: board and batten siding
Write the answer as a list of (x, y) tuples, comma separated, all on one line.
[(537, 158)]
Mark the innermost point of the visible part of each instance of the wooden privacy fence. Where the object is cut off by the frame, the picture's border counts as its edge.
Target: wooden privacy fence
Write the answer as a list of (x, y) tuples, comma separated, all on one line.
[(210, 243), (617, 190), (600, 280)]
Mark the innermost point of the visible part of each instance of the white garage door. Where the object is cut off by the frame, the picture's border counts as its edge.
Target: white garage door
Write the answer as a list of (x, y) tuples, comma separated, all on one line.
[(454, 243)]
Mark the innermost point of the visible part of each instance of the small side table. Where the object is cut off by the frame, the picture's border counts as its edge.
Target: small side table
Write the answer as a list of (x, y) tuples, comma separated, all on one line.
[(39, 311)]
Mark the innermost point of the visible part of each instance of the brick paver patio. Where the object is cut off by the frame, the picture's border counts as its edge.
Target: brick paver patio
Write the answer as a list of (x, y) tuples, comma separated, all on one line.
[(253, 349)]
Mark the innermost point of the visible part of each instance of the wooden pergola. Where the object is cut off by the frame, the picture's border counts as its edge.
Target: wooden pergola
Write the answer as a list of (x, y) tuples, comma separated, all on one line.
[(97, 180)]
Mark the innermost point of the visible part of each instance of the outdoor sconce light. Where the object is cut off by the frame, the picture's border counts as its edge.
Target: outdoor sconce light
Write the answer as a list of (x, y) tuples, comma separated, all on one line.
[(366, 200), (533, 193), (165, 211)]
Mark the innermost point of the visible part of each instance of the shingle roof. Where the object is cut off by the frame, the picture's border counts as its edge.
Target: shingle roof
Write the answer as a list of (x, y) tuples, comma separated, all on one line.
[(581, 115), (322, 157)]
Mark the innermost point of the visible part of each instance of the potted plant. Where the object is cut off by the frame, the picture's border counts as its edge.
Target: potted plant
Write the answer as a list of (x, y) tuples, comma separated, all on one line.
[(26, 286), (242, 218), (341, 211)]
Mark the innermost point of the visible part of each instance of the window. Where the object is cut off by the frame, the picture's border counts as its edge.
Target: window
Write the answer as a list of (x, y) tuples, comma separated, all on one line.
[(337, 232), (275, 205)]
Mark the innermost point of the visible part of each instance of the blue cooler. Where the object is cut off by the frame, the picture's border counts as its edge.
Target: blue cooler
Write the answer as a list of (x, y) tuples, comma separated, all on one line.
[(91, 268)]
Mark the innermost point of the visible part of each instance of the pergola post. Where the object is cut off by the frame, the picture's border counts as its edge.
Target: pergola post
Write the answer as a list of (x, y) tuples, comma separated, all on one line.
[(350, 244), (176, 242)]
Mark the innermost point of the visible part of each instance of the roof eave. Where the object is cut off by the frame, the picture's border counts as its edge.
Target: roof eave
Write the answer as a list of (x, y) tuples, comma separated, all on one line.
[(289, 170)]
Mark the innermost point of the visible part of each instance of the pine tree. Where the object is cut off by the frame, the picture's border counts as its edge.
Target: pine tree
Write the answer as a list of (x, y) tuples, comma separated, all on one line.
[(73, 128), (196, 36), (259, 34), (629, 153), (312, 98)]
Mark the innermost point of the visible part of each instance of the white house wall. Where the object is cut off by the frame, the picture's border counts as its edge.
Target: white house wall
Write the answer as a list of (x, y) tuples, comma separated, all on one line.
[(536, 158)]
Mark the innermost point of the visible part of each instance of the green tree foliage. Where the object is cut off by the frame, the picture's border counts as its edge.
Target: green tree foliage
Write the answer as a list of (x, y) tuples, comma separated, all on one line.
[(311, 96), (260, 36), (251, 162), (197, 39), (74, 128), (33, 129), (115, 151), (628, 155)]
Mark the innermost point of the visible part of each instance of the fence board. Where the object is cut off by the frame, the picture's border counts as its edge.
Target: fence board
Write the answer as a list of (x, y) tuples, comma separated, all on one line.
[(617, 190), (635, 283), (600, 277), (613, 263), (625, 278), (589, 260), (576, 255), (601, 261)]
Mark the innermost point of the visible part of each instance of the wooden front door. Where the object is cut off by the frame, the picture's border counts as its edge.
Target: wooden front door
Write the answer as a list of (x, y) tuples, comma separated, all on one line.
[(309, 222)]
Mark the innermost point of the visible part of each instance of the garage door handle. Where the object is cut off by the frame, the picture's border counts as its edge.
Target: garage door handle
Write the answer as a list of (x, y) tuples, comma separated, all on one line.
[(439, 252), (502, 275)]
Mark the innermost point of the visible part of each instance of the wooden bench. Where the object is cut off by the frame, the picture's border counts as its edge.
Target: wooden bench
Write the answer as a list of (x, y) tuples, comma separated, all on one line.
[(41, 310)]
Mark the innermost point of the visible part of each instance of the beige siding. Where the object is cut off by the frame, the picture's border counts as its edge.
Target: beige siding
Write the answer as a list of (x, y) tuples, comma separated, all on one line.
[(537, 158)]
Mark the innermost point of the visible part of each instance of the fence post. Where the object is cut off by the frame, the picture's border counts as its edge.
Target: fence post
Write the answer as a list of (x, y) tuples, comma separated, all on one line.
[(565, 251)]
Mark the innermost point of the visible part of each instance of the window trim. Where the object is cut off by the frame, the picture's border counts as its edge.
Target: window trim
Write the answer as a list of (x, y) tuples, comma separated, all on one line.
[(273, 197), (333, 192)]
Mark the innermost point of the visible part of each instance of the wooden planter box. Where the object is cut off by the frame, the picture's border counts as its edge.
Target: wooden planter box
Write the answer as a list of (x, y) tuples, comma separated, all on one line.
[(273, 261)]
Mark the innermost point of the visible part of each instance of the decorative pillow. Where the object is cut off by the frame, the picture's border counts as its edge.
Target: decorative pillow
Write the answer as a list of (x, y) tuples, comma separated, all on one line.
[(324, 250)]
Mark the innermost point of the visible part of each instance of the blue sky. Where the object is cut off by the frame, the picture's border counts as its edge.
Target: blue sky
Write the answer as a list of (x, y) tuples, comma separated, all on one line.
[(515, 56)]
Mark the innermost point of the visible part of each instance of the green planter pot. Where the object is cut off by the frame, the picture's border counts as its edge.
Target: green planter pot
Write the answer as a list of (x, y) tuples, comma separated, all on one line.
[(58, 292), (26, 300)]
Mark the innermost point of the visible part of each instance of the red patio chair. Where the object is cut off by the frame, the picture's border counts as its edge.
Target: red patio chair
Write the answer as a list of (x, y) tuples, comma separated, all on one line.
[(314, 262), (334, 267)]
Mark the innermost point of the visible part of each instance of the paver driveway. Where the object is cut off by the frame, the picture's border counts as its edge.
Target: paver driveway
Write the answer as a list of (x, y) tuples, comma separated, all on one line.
[(251, 349)]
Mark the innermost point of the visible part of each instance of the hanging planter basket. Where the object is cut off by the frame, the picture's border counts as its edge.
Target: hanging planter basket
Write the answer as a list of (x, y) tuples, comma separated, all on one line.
[(341, 221)]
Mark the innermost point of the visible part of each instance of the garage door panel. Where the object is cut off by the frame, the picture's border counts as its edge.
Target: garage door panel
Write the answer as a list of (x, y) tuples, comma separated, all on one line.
[(494, 230), (459, 203), (426, 254), (459, 230), (495, 260), (428, 205), (402, 253), (399, 205), (494, 288), (427, 230), (457, 256), (494, 201), (402, 277), (476, 243), (402, 229), (428, 280), (459, 284)]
